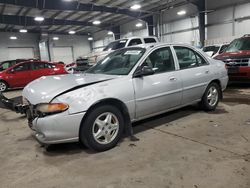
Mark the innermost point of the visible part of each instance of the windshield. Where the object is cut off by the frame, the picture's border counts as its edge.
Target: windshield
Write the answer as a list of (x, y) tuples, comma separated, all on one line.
[(119, 62), (116, 45), (239, 44)]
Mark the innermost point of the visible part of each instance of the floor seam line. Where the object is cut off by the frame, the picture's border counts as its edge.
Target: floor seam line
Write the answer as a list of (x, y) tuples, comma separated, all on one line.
[(192, 140)]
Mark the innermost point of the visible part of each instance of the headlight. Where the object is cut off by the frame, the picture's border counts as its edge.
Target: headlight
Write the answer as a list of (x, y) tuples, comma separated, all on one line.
[(51, 108)]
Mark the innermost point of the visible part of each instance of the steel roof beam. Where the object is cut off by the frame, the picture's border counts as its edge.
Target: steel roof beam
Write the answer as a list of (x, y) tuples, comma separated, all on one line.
[(29, 21), (72, 6)]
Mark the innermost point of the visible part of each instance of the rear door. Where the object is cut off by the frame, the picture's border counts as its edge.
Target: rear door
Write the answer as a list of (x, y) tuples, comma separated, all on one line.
[(194, 71), (41, 69)]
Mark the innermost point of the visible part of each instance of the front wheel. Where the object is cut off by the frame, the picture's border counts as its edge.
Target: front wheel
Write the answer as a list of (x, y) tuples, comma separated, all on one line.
[(3, 86), (102, 128), (211, 97)]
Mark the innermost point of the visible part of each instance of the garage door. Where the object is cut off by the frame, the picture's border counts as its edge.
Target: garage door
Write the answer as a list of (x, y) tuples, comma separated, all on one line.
[(64, 54), (21, 53)]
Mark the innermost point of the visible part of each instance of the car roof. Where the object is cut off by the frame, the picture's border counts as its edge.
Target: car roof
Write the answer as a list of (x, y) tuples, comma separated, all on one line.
[(159, 44)]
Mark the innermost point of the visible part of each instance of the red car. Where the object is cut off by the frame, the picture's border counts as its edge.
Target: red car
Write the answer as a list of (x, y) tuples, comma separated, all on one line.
[(237, 59), (21, 74)]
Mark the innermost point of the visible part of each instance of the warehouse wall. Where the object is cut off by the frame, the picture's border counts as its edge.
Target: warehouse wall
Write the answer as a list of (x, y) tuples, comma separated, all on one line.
[(174, 28), (184, 30), (79, 44), (228, 23), (26, 40)]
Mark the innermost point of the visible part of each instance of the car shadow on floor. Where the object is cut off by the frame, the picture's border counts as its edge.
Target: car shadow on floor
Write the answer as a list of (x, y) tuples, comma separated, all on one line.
[(138, 127)]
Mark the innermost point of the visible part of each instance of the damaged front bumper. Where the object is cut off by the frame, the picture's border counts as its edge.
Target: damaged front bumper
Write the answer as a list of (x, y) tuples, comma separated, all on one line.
[(12, 105), (18, 108)]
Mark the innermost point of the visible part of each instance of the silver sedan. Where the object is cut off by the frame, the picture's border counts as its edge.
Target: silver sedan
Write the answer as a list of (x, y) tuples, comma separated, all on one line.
[(128, 85)]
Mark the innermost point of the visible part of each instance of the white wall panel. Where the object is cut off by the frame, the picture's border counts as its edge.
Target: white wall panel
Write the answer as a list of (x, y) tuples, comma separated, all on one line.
[(79, 44), (220, 15), (242, 10), (242, 27), (64, 54), (20, 53), (217, 31), (26, 40)]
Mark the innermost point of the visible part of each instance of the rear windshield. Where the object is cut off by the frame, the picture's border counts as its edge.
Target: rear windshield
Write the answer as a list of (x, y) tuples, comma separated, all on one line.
[(239, 44), (211, 49), (149, 40), (116, 45)]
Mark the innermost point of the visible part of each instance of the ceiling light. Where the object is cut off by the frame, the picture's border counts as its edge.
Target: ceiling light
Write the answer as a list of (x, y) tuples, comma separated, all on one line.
[(72, 32), (90, 38), (135, 7), (182, 12), (23, 30), (139, 25), (110, 33), (13, 38), (55, 38), (39, 19), (96, 22)]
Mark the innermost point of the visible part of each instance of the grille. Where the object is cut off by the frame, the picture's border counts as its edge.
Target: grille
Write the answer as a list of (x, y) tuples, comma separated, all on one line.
[(237, 62)]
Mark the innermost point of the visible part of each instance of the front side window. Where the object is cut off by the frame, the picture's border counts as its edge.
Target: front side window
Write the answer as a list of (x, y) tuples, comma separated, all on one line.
[(186, 57), (119, 62), (22, 67), (134, 42), (161, 60)]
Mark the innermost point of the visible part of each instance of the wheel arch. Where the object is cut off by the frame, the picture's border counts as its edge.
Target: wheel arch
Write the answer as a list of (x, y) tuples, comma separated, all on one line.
[(114, 102)]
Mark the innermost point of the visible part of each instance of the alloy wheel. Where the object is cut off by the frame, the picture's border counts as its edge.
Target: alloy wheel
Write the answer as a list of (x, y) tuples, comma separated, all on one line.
[(105, 128), (3, 86), (212, 96)]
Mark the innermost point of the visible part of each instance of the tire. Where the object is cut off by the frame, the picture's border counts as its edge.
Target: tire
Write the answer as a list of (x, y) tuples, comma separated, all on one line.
[(211, 97), (103, 128), (3, 86)]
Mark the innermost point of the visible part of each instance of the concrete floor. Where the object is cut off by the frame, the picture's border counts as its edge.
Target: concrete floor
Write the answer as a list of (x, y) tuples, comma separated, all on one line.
[(187, 148)]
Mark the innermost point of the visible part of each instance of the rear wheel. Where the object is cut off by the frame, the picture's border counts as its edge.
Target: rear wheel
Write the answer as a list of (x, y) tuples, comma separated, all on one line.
[(102, 128), (3, 86), (211, 97)]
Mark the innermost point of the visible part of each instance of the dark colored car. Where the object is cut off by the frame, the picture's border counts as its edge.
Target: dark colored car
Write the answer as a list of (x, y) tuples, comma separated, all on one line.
[(237, 59), (19, 75)]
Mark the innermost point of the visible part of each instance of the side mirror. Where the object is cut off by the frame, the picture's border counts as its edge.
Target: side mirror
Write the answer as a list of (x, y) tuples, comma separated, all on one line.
[(144, 71)]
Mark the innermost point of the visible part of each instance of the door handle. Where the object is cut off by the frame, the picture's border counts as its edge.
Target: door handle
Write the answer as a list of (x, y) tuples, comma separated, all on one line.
[(172, 79)]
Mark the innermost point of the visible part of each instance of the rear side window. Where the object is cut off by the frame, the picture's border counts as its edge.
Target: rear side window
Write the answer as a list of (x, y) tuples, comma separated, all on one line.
[(134, 42), (187, 58), (41, 65), (149, 40), (22, 67)]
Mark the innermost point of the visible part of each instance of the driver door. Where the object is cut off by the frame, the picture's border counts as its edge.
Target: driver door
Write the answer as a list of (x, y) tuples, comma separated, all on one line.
[(161, 91)]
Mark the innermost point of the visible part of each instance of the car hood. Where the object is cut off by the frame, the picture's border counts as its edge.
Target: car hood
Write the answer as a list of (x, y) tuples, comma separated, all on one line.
[(234, 55), (46, 88)]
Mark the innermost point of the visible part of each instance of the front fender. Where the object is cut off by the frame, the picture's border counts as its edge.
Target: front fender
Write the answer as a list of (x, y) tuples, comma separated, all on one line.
[(82, 99)]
